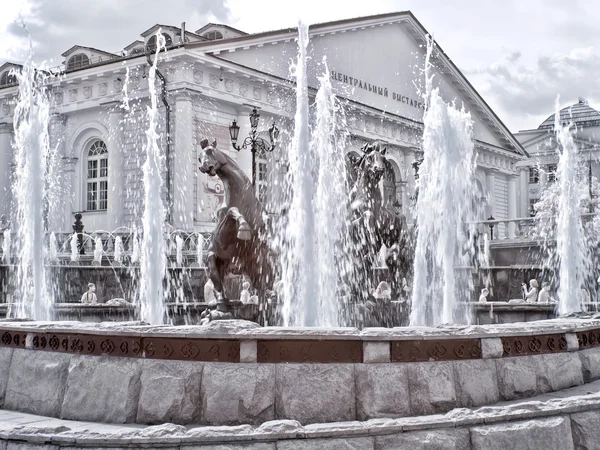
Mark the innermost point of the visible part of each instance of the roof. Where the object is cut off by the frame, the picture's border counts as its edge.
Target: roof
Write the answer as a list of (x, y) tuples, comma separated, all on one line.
[(75, 47), (581, 114), (222, 25), (420, 33), (134, 44), (9, 64)]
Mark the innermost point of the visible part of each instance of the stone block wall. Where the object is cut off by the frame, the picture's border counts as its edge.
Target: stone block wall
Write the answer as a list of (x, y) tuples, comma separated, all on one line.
[(232, 376)]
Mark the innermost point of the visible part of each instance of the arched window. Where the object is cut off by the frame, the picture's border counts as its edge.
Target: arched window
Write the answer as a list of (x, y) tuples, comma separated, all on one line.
[(7, 78), (151, 45), (213, 35), (97, 177), (78, 61)]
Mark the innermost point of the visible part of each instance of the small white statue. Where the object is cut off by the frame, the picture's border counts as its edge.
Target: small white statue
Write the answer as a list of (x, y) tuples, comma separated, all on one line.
[(484, 295), (544, 296), (532, 293), (89, 297), (209, 292), (245, 294), (383, 291)]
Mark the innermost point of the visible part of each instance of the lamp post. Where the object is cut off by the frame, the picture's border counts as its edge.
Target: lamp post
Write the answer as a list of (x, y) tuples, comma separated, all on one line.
[(254, 141)]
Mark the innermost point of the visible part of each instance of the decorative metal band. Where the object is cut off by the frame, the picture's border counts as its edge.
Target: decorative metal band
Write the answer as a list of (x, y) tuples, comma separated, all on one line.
[(534, 345), (125, 346), (589, 339), (309, 351), (435, 350)]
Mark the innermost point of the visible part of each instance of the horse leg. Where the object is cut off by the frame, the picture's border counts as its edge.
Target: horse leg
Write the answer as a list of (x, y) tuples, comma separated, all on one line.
[(244, 232), (215, 273)]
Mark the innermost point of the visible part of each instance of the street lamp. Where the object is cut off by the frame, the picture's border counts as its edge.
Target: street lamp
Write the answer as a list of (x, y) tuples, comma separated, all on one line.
[(253, 141)]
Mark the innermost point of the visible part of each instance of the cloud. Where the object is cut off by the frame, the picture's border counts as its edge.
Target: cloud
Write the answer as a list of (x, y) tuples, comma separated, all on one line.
[(110, 25), (525, 93)]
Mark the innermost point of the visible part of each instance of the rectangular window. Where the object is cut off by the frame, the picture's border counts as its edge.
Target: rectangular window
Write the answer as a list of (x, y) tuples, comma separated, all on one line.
[(92, 169), (92, 195), (262, 171), (552, 173), (103, 195), (534, 175), (104, 168), (262, 193)]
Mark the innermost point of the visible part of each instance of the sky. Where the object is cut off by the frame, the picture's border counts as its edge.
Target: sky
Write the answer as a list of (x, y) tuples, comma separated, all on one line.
[(519, 54)]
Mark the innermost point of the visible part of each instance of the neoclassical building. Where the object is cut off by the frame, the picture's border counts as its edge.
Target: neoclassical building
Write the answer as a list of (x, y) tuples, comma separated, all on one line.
[(539, 170), (218, 74)]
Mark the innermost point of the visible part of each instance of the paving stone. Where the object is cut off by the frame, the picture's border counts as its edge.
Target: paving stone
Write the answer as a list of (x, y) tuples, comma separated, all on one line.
[(476, 382), (30, 446), (170, 392), (431, 386), (562, 370), (5, 357), (233, 393), (586, 430), (590, 361), (517, 377), (37, 381), (360, 443), (102, 389), (441, 439), (313, 393), (381, 391), (548, 434)]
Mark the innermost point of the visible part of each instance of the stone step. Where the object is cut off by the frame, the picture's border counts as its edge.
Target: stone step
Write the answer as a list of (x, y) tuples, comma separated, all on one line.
[(560, 420)]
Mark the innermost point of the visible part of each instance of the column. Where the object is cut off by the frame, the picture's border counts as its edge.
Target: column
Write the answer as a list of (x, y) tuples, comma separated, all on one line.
[(6, 160), (59, 211), (490, 180), (116, 173), (524, 188), (409, 189), (512, 205), (183, 165)]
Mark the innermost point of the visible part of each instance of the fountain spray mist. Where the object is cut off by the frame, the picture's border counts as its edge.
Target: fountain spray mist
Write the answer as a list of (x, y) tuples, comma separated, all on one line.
[(153, 264), (328, 143), (299, 271), (445, 203), (571, 250), (32, 151)]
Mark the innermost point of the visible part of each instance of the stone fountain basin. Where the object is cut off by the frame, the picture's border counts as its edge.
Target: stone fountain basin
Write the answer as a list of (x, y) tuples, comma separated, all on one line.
[(235, 372)]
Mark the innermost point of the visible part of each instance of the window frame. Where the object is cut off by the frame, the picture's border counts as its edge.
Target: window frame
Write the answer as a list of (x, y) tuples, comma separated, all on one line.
[(215, 33), (96, 177), (534, 175), (152, 42), (552, 170), (78, 61)]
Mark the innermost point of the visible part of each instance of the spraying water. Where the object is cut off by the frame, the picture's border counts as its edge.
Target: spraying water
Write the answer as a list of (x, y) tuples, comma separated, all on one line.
[(135, 251), (74, 250), (98, 250), (52, 248), (6, 246), (331, 222), (299, 271), (179, 251), (118, 254), (32, 151), (153, 256), (571, 246), (446, 191), (199, 251)]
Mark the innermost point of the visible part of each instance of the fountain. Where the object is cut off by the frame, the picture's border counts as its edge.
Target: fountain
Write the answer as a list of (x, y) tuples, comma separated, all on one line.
[(446, 185), (31, 118), (268, 387), (153, 265)]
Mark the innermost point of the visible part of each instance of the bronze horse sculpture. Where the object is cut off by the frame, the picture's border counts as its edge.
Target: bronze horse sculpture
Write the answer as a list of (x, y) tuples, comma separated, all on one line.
[(238, 243), (374, 224)]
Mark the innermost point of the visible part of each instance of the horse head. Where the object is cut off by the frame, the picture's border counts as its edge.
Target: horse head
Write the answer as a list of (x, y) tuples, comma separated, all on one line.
[(372, 163), (212, 159)]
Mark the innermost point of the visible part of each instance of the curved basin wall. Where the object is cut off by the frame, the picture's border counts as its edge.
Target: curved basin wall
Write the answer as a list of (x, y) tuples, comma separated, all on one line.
[(225, 376)]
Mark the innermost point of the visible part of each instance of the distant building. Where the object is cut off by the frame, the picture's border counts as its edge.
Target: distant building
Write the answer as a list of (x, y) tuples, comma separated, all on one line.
[(216, 75), (539, 170)]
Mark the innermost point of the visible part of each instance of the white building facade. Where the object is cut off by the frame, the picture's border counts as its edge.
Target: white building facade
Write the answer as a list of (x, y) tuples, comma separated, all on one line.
[(218, 75)]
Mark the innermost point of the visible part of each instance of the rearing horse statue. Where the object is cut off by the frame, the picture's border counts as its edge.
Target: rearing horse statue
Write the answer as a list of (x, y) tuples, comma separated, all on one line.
[(238, 243), (372, 224)]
